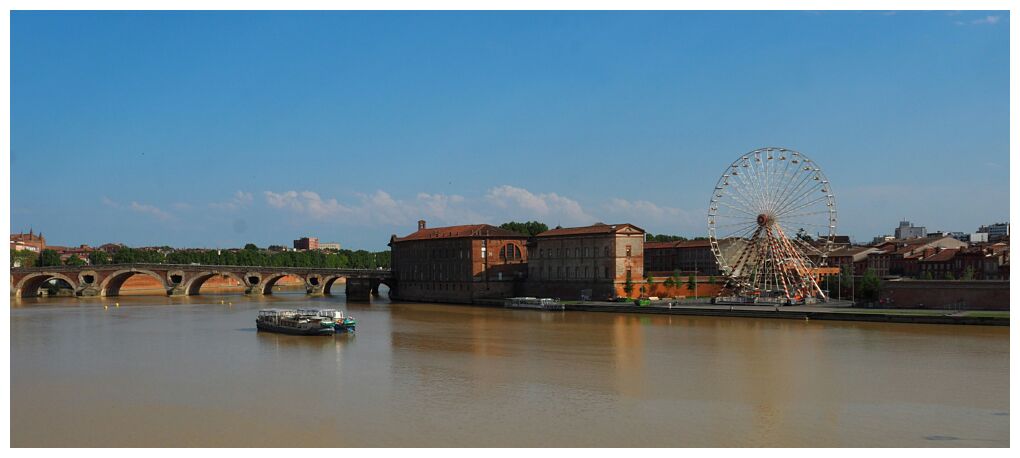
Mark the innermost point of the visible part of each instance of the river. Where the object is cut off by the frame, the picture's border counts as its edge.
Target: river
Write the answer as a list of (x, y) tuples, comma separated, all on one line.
[(157, 371)]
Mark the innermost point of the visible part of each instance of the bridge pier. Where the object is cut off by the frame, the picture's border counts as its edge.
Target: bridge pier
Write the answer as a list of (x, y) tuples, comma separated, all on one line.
[(314, 285), (359, 289)]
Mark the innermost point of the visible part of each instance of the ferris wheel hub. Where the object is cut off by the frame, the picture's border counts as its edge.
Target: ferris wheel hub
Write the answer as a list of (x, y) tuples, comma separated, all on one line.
[(765, 220)]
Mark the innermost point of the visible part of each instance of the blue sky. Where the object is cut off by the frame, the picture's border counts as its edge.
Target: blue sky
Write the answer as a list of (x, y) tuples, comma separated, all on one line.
[(215, 129)]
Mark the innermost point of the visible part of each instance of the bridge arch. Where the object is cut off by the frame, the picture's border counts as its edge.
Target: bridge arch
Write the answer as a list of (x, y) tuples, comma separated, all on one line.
[(328, 283), (29, 286), (269, 281), (194, 285), (112, 283)]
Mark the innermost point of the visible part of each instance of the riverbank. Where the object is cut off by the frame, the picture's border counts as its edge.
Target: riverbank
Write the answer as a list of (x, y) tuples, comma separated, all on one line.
[(842, 312), (805, 312)]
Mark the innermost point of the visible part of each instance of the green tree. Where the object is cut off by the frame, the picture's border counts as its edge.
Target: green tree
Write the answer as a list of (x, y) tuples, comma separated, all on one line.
[(530, 228), (968, 273), (669, 283), (846, 278), (628, 286), (664, 238), (98, 257), (676, 278), (871, 286), (711, 279), (927, 275), (950, 276), (23, 258), (692, 283), (251, 247), (803, 235), (49, 258), (74, 260)]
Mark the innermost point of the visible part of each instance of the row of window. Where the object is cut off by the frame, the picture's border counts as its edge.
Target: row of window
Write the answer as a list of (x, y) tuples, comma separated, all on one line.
[(568, 272), (578, 252)]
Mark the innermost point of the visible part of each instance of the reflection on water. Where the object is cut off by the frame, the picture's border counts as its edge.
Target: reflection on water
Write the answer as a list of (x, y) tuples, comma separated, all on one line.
[(158, 371)]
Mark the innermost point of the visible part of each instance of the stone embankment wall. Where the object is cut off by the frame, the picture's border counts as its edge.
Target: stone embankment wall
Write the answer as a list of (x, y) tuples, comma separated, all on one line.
[(946, 294)]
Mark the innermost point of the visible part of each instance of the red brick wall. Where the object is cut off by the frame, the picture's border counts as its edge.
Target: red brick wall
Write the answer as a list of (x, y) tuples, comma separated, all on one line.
[(947, 294)]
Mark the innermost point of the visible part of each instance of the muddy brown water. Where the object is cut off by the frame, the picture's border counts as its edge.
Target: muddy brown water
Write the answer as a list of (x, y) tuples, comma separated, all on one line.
[(159, 371)]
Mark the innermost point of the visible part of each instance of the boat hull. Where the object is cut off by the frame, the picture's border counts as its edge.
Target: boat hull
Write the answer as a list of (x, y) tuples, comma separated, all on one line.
[(324, 331)]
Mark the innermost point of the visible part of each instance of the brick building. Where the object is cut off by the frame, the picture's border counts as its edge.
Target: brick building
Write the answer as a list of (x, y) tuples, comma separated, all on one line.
[(566, 262), (902, 257), (306, 243), (458, 264), (30, 241), (856, 258)]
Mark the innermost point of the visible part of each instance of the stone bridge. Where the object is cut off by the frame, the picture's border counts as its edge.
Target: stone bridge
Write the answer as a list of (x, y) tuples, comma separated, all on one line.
[(187, 280)]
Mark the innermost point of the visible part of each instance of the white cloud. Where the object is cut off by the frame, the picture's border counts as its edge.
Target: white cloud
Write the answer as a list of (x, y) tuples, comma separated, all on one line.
[(642, 212), (240, 199), (376, 208), (497, 205), (524, 204), (150, 210), (109, 203), (987, 20)]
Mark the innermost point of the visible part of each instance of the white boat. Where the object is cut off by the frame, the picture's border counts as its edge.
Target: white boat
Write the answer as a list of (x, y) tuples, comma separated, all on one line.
[(533, 303)]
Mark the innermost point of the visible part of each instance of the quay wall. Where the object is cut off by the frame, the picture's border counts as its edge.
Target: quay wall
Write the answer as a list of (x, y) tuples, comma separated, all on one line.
[(946, 294)]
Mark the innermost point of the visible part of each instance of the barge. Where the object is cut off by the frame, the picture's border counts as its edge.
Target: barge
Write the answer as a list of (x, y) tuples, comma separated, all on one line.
[(293, 322)]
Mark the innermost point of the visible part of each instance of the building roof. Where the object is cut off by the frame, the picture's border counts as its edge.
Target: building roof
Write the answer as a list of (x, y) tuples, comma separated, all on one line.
[(944, 255), (597, 228), (851, 251), (456, 232)]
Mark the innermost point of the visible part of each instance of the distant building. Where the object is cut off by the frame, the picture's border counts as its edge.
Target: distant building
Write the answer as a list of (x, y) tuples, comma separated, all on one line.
[(996, 232), (854, 258), (901, 257), (978, 237), (30, 241), (306, 243), (459, 264), (908, 231), (687, 257), (882, 238), (595, 260), (334, 246)]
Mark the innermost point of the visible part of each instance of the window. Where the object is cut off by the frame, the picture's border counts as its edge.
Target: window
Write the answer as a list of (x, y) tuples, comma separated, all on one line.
[(585, 271), (577, 252), (540, 252), (606, 273), (559, 272), (606, 250), (628, 251)]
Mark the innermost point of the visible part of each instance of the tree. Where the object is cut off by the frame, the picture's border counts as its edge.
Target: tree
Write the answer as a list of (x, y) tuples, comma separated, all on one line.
[(927, 276), (950, 276), (870, 286), (968, 273), (48, 258), (74, 260), (711, 279), (98, 257), (23, 258), (692, 283), (846, 278), (530, 228), (669, 283), (628, 286), (251, 247), (803, 235), (664, 238)]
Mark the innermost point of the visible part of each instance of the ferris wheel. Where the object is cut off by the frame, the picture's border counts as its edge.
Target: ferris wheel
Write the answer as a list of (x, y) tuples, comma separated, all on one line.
[(771, 221)]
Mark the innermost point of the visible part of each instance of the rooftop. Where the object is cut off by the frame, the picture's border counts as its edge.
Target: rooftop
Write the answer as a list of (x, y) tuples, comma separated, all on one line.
[(597, 228), (463, 231)]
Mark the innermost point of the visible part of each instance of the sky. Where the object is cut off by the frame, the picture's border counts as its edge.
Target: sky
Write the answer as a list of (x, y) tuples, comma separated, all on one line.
[(215, 129)]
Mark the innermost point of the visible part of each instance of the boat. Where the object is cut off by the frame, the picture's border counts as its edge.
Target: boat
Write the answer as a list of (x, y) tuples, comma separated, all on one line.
[(533, 303), (286, 321), (341, 322)]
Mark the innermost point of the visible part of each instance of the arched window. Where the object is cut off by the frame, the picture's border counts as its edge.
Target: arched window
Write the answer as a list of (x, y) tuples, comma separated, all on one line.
[(510, 251)]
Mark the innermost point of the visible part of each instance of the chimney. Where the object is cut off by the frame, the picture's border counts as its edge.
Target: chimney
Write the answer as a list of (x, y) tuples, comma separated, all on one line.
[(421, 224)]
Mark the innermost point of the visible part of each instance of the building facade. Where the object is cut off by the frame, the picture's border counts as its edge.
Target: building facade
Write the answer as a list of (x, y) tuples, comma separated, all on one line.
[(30, 241), (306, 243), (459, 264), (597, 261), (909, 231), (996, 232)]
